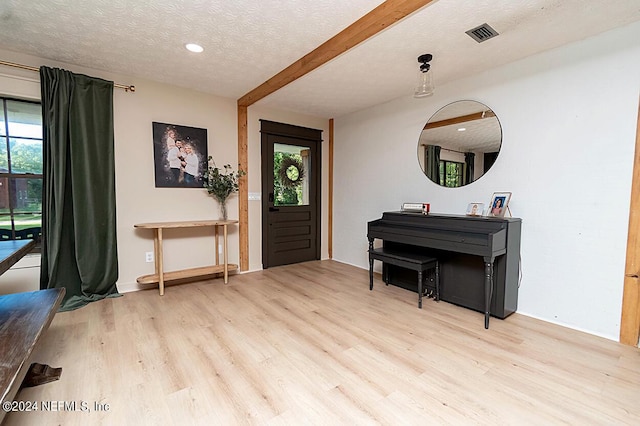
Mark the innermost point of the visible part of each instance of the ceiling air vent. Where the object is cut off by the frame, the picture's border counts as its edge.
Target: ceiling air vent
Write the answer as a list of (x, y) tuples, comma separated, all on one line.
[(482, 33)]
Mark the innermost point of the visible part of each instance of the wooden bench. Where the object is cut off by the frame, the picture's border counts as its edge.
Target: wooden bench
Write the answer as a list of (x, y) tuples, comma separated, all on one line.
[(24, 317), (409, 260)]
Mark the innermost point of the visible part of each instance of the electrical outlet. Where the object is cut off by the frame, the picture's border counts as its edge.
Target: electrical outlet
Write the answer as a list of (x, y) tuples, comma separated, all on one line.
[(149, 256)]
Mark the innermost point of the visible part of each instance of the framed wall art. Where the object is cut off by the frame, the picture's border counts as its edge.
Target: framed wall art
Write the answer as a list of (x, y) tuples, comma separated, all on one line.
[(180, 155), (499, 204)]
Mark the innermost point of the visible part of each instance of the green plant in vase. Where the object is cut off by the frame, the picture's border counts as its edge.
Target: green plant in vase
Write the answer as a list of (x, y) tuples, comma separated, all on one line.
[(221, 183)]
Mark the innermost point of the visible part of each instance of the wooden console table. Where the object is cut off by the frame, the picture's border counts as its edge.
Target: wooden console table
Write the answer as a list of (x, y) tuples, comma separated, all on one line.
[(160, 276)]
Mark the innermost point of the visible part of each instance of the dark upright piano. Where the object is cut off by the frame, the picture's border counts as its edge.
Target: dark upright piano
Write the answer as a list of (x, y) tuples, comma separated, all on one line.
[(479, 256)]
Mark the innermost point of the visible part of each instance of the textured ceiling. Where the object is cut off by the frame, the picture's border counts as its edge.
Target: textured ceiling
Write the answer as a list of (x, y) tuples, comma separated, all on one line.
[(248, 41)]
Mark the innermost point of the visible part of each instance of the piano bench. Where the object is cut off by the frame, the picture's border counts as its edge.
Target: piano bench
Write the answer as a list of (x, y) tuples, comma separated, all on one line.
[(409, 260)]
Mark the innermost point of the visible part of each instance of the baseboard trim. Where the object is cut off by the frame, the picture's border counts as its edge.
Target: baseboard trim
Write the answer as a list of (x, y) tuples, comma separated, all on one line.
[(134, 286)]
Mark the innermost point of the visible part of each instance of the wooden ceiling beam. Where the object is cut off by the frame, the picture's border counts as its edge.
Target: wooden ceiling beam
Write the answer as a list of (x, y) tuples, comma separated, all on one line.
[(383, 16)]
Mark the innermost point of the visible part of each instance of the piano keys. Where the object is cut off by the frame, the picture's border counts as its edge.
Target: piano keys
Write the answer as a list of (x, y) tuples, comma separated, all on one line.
[(479, 256)]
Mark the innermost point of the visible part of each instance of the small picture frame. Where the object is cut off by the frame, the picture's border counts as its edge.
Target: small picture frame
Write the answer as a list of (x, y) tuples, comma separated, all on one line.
[(499, 204), (475, 209)]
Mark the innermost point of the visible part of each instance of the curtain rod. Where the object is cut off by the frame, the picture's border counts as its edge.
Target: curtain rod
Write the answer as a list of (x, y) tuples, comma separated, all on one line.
[(447, 149), (453, 150), (126, 88)]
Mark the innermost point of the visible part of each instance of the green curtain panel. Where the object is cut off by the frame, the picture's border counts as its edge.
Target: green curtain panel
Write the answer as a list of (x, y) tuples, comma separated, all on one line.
[(78, 201), (432, 161)]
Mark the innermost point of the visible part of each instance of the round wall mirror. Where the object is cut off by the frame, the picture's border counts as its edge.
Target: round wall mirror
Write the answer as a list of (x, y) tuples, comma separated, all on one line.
[(459, 143)]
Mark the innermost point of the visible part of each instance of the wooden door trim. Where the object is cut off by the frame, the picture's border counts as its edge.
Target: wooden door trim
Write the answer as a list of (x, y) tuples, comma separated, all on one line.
[(243, 188), (330, 192), (290, 130), (630, 318)]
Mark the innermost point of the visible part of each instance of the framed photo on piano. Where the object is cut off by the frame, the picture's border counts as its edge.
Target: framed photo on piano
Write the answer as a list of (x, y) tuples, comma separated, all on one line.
[(475, 209), (499, 204)]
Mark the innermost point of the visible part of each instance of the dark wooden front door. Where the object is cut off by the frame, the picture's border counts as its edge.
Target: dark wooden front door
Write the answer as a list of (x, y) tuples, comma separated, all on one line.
[(290, 194)]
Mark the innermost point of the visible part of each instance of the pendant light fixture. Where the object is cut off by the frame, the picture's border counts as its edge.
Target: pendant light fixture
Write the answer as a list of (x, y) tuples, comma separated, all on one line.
[(425, 77)]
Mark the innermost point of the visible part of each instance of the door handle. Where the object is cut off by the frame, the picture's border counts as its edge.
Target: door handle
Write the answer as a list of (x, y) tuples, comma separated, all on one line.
[(273, 209)]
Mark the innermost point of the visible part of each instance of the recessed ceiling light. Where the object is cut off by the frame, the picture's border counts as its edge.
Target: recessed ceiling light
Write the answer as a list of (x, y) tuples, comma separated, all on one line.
[(462, 129), (192, 47)]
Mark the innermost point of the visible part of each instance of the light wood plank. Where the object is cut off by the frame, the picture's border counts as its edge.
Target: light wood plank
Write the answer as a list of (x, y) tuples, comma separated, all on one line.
[(310, 344), (330, 190), (216, 246), (630, 317), (225, 254), (243, 187), (159, 258), (183, 224), (188, 273)]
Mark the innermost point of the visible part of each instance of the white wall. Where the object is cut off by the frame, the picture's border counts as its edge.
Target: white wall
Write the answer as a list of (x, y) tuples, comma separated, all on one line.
[(137, 199), (569, 122)]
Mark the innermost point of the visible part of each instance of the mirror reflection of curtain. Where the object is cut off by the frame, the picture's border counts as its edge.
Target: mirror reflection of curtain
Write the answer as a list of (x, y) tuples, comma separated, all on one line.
[(432, 162), (469, 160), (489, 159), (78, 204)]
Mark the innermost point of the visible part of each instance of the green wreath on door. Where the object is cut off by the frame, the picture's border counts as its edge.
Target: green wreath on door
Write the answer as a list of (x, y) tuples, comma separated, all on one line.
[(291, 172)]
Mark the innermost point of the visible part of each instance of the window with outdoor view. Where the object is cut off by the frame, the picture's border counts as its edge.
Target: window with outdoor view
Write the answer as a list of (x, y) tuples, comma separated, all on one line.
[(451, 173), (290, 175), (20, 169)]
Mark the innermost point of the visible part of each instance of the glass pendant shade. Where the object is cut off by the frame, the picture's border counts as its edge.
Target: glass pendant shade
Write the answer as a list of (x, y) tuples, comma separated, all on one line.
[(424, 87)]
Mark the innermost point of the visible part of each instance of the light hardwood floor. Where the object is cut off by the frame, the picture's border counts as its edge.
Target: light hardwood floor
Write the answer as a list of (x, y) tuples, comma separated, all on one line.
[(310, 344)]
